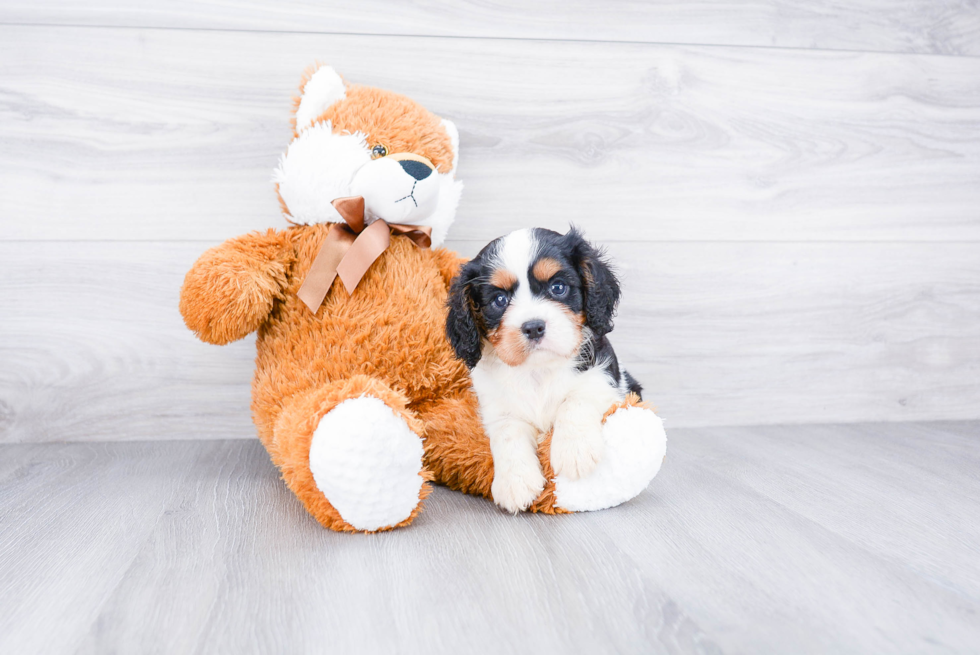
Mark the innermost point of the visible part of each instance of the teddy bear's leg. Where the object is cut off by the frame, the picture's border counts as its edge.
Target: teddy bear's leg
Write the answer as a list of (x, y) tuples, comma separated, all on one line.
[(458, 453), (456, 449), (352, 454), (635, 447)]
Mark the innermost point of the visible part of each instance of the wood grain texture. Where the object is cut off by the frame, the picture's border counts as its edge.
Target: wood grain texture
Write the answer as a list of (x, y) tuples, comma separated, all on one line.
[(96, 348), (921, 26), (173, 134), (718, 333), (780, 539)]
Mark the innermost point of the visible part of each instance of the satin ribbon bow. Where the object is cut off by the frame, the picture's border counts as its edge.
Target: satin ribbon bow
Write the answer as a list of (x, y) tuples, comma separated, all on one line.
[(349, 250)]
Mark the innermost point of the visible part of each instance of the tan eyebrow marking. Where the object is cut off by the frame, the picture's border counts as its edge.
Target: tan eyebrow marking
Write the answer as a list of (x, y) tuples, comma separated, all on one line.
[(545, 268), (503, 279)]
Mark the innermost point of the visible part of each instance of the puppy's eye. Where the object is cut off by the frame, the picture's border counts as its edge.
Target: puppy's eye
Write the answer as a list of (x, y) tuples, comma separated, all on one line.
[(379, 151), (500, 300), (559, 288)]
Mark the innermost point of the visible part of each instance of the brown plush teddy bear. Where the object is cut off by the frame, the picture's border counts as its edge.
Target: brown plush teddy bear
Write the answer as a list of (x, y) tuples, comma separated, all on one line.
[(357, 394)]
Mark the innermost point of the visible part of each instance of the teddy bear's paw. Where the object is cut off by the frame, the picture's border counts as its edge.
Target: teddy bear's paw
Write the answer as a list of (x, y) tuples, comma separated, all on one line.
[(635, 447), (368, 463)]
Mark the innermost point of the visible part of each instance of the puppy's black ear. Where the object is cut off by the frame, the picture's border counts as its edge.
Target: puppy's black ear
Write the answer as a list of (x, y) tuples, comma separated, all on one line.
[(599, 283), (462, 323)]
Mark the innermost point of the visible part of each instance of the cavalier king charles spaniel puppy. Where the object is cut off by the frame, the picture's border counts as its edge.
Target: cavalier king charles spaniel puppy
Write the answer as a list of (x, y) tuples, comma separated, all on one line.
[(529, 315)]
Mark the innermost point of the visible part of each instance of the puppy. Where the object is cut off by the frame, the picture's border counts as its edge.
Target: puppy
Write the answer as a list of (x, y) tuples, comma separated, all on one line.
[(529, 315)]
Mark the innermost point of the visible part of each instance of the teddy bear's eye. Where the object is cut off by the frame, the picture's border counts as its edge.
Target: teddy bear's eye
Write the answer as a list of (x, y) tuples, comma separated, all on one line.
[(379, 150)]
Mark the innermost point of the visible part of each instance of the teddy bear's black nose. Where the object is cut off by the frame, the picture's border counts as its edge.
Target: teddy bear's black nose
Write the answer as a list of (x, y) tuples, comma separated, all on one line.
[(416, 169)]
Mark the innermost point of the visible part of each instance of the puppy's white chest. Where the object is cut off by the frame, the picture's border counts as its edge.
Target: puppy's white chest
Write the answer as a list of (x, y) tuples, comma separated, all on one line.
[(532, 394)]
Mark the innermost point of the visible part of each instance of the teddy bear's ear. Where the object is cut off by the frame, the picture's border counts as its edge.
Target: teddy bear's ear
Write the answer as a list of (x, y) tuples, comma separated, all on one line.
[(321, 87), (453, 133)]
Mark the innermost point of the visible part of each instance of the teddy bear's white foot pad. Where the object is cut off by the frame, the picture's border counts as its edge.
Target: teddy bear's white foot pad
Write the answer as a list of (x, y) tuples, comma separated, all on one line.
[(635, 446), (367, 462)]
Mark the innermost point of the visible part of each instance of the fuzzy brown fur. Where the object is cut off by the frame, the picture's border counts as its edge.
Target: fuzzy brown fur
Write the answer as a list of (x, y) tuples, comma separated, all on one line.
[(387, 340)]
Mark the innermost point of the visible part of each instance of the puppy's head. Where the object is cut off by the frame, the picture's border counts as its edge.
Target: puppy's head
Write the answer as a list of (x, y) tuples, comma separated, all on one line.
[(533, 294)]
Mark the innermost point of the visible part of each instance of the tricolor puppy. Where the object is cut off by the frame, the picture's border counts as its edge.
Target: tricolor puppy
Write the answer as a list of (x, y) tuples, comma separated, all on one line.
[(529, 315)]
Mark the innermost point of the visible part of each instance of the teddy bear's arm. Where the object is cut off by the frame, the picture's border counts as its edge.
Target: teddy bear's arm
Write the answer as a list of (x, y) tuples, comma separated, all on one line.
[(231, 288), (449, 264)]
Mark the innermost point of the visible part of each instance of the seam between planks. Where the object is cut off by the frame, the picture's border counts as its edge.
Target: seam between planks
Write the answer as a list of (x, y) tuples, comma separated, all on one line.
[(543, 39)]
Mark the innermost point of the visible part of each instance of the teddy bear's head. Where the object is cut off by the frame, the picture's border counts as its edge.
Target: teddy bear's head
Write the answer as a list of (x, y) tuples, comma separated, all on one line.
[(354, 140)]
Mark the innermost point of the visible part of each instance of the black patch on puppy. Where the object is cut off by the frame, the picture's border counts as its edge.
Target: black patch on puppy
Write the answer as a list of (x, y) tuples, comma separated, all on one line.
[(464, 325), (633, 385), (602, 351), (599, 282)]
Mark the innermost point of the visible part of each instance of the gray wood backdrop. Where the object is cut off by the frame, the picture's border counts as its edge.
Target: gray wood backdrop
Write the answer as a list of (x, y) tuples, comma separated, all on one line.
[(790, 188)]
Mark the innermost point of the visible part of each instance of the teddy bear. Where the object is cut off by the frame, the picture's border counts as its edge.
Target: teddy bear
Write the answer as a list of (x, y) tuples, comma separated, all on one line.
[(357, 395)]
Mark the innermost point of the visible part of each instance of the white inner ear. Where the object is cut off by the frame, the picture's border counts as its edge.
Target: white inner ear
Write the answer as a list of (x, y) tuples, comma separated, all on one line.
[(440, 220), (453, 133), (321, 91)]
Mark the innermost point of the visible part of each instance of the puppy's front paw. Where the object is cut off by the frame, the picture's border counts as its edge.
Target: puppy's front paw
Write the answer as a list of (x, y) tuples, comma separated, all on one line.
[(576, 448), (514, 491)]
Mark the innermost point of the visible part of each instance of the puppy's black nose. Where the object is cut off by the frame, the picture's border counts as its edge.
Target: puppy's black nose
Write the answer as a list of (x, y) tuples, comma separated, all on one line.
[(533, 330), (416, 169)]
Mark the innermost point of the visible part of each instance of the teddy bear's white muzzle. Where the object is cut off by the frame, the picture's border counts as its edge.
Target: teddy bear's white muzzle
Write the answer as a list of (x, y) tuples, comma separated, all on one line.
[(398, 191)]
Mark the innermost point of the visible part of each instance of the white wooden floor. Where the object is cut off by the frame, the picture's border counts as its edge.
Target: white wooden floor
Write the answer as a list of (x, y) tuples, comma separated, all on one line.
[(832, 539)]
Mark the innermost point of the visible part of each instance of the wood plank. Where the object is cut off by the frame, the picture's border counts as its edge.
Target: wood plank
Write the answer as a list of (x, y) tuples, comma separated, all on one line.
[(718, 333), (921, 26), (910, 493), (736, 555), (74, 520), (749, 540), (137, 138), (802, 333)]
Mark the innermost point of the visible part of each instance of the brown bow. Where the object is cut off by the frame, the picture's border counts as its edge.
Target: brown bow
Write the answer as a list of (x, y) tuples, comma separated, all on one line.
[(349, 250)]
